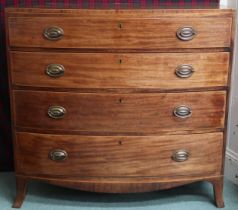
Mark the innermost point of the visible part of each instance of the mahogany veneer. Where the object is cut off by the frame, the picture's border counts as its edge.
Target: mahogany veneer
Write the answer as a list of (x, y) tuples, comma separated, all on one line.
[(119, 101), (150, 113), (119, 33), (118, 156), (120, 70)]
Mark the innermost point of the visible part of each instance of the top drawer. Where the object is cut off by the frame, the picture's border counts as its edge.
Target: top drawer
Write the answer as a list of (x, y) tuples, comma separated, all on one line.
[(119, 33)]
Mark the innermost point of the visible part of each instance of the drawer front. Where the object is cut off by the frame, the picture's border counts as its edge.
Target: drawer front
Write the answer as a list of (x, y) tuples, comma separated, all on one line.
[(72, 155), (120, 70), (119, 33), (120, 113)]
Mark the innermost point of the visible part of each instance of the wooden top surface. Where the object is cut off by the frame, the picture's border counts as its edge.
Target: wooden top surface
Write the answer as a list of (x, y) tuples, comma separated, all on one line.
[(130, 13), (122, 4)]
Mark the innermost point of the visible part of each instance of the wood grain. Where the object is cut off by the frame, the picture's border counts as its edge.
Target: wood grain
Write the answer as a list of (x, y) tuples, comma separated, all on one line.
[(119, 113), (21, 186), (204, 11), (119, 184), (121, 156), (218, 191), (131, 103), (119, 33), (120, 70)]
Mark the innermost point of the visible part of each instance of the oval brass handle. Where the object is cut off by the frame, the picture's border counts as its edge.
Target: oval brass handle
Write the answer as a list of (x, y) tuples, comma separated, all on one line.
[(180, 155), (186, 33), (182, 111), (53, 33), (56, 112), (58, 155), (55, 70), (184, 71)]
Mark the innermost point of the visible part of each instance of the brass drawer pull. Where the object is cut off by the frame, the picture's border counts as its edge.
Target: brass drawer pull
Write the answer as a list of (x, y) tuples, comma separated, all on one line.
[(58, 155), (55, 70), (182, 111), (56, 112), (53, 33), (184, 71), (186, 33), (180, 155)]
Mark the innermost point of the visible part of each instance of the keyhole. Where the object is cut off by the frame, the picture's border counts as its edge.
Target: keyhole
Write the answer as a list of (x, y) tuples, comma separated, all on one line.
[(120, 61), (120, 142), (120, 100), (119, 25)]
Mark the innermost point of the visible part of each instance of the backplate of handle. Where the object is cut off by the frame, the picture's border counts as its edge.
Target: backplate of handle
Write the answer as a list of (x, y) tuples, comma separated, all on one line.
[(55, 70), (184, 71), (186, 33), (53, 33), (180, 155), (58, 155), (182, 111), (56, 112)]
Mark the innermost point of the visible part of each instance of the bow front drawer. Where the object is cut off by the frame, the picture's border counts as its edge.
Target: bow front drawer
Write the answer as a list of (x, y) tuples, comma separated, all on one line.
[(120, 70), (119, 33), (120, 113), (171, 156)]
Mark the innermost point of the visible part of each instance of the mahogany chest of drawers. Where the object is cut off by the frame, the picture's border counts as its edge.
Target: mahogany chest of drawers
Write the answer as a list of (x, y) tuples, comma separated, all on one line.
[(119, 101)]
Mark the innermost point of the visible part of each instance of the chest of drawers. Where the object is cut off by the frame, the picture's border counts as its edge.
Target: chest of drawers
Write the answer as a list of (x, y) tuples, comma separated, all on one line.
[(119, 101)]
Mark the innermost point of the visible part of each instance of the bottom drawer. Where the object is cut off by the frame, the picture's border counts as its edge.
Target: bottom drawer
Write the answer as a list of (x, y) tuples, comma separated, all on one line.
[(113, 156)]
